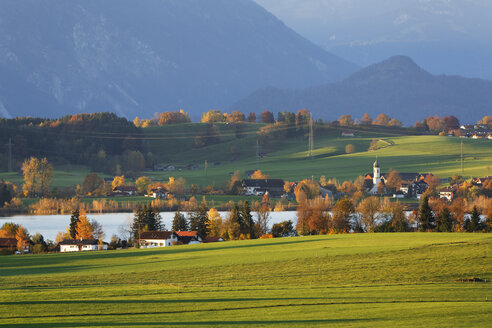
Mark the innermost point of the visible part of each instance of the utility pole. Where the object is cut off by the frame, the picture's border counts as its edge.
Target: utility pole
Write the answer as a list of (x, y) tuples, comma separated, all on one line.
[(462, 159), (257, 154), (311, 137), (10, 155)]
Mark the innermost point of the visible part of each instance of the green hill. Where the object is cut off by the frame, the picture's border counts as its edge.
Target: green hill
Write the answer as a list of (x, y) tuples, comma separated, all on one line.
[(287, 158), (358, 280)]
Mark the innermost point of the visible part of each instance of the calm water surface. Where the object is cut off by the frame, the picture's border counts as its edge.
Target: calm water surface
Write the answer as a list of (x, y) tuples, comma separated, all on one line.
[(112, 223)]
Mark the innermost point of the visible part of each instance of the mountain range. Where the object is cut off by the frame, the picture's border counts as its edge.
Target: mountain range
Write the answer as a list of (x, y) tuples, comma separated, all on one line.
[(396, 86), (136, 58)]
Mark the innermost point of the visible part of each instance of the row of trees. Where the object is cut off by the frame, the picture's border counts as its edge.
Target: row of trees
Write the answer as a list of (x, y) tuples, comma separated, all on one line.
[(436, 124), (380, 215), (381, 120), (164, 118), (81, 227)]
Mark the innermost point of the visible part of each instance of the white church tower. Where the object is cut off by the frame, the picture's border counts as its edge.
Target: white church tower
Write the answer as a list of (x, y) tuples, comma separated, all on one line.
[(376, 176)]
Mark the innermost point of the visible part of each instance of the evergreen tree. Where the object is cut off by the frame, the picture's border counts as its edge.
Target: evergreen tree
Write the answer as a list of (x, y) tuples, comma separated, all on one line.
[(199, 220), (444, 221), (426, 218), (475, 224), (235, 223), (179, 222), (248, 224), (74, 220), (146, 218)]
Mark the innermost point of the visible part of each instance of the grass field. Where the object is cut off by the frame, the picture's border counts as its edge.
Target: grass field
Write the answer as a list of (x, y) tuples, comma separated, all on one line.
[(287, 158), (423, 154), (358, 280)]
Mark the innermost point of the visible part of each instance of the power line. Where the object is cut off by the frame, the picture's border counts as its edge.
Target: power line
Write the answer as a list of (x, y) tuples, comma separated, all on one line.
[(311, 137)]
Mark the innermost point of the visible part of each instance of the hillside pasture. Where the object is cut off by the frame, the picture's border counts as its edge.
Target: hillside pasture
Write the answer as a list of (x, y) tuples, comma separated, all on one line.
[(358, 280)]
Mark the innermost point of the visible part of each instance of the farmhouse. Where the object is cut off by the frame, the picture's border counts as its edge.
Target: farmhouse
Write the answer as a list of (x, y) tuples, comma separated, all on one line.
[(79, 245), (213, 240), (412, 184), (159, 192), (150, 239), (189, 237), (8, 243), (447, 193), (125, 191), (258, 187)]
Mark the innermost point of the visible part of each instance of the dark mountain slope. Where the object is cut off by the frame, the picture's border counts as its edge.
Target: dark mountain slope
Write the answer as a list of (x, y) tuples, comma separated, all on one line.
[(396, 86), (138, 57)]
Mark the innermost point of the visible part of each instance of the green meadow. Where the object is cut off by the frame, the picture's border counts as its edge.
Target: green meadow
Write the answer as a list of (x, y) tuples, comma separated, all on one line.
[(287, 157), (356, 280)]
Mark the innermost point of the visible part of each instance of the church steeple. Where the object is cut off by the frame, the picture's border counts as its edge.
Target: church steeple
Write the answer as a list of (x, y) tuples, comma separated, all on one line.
[(376, 176)]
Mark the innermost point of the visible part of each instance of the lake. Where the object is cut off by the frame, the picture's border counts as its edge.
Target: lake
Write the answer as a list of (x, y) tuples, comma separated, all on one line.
[(112, 223)]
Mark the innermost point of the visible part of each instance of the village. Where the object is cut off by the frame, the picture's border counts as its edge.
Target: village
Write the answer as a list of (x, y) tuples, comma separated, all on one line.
[(389, 185)]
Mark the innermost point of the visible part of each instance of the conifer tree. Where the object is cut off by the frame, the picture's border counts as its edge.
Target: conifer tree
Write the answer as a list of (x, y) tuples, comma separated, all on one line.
[(74, 219), (199, 220), (426, 218), (179, 222), (248, 224)]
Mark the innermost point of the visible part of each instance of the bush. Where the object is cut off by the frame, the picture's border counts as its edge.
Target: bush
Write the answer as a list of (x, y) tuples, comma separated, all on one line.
[(38, 248), (349, 149)]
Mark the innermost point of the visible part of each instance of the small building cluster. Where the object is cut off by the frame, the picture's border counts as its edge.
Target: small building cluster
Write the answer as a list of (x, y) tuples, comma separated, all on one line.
[(477, 131), (151, 239), (413, 185), (450, 192), (81, 245)]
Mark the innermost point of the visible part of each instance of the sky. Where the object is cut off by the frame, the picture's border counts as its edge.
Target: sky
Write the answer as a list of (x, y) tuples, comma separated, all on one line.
[(367, 31)]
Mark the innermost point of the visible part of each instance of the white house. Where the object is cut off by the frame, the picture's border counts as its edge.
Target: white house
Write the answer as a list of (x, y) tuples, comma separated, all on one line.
[(150, 239), (80, 245), (189, 237)]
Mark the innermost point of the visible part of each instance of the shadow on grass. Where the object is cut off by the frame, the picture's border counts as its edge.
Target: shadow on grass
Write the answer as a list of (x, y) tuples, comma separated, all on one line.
[(229, 323), (15, 265)]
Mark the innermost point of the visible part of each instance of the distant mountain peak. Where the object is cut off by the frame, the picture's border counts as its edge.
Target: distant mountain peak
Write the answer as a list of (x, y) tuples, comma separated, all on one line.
[(395, 67), (396, 86)]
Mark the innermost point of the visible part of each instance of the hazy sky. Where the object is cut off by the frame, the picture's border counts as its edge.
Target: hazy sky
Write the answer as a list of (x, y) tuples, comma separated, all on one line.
[(443, 36), (333, 22)]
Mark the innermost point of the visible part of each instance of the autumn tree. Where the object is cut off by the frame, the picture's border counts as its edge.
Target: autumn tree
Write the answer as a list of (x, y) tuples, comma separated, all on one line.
[(118, 181), (176, 186), (267, 117), (179, 222), (382, 119), (93, 185), (84, 229), (37, 176), (369, 210), (306, 189), (399, 222), (8, 230), (22, 238), (349, 149), (142, 184), (213, 116), (346, 120), (235, 186), (259, 175), (395, 122), (342, 211), (394, 180), (366, 119), (252, 117), (263, 215), (175, 117), (215, 224)]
